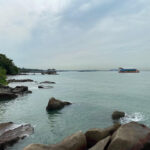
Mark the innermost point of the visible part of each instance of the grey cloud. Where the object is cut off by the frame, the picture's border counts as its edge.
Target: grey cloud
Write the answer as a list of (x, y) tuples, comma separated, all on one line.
[(65, 35)]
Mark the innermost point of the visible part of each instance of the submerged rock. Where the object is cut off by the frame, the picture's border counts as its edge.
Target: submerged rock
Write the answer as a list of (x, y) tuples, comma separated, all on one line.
[(8, 93), (40, 87), (11, 133), (95, 135), (116, 115), (75, 142), (19, 80), (55, 104), (44, 87)]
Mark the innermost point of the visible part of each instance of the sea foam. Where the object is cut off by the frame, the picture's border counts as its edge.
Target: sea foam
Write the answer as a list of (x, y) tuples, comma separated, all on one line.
[(137, 117)]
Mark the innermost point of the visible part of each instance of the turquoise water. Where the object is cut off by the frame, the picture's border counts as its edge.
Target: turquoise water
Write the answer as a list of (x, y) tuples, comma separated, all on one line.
[(95, 95)]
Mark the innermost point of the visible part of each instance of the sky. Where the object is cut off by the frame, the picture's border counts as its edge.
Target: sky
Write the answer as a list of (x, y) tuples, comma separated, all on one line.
[(76, 34)]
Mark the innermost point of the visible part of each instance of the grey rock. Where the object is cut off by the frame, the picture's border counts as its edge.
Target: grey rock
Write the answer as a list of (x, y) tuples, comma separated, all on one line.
[(8, 93), (11, 133)]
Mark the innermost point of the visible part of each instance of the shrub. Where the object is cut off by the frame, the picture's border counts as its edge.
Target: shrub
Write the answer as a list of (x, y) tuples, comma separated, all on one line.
[(3, 76), (8, 65)]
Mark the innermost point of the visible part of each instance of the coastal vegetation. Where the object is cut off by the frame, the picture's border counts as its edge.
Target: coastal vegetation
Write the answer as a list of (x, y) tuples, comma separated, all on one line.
[(7, 67), (3, 76), (48, 71)]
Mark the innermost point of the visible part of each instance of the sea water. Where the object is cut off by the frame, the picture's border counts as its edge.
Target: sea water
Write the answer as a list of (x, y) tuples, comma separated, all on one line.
[(94, 96)]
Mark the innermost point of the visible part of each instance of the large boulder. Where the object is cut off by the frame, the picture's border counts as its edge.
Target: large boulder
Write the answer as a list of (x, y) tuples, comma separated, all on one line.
[(75, 142), (55, 104), (10, 133), (95, 135), (131, 136), (101, 145), (116, 115)]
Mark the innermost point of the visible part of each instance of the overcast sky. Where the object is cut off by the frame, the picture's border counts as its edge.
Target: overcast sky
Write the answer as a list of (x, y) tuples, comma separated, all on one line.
[(76, 34)]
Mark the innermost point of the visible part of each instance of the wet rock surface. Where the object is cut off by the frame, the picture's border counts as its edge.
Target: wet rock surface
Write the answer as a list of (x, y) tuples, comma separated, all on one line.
[(55, 104), (8, 93), (11, 133)]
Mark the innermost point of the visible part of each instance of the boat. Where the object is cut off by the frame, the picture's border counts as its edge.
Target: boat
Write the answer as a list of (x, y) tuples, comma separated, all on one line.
[(122, 70)]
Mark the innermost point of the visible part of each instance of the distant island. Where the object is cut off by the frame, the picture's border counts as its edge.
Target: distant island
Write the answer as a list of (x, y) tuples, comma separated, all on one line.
[(48, 71)]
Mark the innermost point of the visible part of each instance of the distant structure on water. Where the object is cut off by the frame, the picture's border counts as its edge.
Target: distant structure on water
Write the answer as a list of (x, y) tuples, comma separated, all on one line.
[(122, 70), (50, 72)]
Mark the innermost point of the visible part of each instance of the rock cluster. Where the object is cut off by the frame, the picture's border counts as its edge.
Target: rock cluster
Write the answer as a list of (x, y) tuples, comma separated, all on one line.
[(47, 82), (19, 80), (10, 133), (8, 93), (131, 136), (55, 104)]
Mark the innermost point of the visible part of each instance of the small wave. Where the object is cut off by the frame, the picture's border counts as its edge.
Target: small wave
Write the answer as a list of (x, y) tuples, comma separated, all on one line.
[(137, 116)]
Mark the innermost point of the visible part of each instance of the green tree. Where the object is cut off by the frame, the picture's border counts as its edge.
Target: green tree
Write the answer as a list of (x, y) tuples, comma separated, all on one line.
[(8, 65), (3, 76)]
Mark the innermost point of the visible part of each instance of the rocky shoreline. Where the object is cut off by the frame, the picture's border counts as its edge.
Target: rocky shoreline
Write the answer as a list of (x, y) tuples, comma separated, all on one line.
[(8, 93), (19, 80), (130, 136)]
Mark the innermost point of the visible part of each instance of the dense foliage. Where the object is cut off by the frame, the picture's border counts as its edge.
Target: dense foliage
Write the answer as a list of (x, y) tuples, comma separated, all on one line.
[(8, 65), (3, 76)]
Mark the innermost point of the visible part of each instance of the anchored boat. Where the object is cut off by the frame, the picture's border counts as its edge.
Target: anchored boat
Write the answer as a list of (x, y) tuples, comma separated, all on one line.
[(122, 70)]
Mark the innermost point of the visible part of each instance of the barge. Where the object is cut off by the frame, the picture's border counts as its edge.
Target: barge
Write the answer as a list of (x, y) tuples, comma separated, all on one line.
[(122, 70)]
